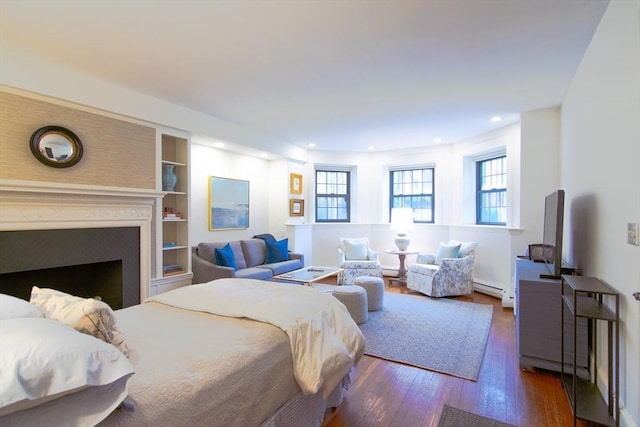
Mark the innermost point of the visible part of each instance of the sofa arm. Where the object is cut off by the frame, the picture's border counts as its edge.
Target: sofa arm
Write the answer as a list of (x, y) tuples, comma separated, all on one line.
[(293, 255), (456, 267), (341, 257), (205, 271)]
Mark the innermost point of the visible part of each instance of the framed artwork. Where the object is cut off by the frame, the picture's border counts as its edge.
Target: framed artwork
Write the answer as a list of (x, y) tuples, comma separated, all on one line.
[(295, 184), (228, 203), (296, 207)]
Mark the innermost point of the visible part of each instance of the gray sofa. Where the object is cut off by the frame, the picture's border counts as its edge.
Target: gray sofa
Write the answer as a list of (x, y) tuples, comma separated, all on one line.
[(250, 258)]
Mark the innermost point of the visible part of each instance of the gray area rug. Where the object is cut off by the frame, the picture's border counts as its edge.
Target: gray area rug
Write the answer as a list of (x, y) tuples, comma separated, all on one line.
[(441, 335), (454, 417)]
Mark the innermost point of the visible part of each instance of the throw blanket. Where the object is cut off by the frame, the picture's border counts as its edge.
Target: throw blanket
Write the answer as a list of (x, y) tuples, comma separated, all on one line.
[(325, 341)]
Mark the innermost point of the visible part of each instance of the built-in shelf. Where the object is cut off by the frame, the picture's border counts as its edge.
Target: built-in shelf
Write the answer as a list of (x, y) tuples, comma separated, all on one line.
[(591, 299), (174, 151)]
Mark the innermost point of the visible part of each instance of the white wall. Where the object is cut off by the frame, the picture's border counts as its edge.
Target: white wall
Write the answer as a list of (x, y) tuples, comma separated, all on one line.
[(600, 173), (206, 162), (370, 203)]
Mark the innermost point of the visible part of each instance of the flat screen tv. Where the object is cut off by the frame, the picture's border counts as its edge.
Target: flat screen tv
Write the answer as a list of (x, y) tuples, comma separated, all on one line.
[(552, 235)]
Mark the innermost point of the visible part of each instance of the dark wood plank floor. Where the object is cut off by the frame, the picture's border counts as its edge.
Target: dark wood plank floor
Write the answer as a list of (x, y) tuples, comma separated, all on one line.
[(384, 393)]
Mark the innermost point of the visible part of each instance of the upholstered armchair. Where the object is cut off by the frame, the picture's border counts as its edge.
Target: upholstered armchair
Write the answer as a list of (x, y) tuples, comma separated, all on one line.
[(448, 273), (357, 259)]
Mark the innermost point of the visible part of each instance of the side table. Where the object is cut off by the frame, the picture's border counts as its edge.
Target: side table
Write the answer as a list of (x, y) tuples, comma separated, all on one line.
[(402, 271)]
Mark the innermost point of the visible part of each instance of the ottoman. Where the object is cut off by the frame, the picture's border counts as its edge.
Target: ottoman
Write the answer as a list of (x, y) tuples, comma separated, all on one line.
[(355, 299), (375, 290)]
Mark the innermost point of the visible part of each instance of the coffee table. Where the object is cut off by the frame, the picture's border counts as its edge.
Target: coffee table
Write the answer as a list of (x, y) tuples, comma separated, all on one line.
[(308, 275)]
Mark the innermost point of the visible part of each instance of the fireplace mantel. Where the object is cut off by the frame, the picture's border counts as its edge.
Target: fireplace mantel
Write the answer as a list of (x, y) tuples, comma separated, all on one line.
[(26, 205)]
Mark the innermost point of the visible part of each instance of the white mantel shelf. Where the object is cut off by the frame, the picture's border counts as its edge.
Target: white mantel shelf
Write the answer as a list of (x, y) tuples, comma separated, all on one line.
[(26, 205), (75, 189)]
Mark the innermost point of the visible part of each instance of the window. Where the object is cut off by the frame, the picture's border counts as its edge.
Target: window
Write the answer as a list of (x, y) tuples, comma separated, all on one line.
[(413, 188), (332, 196), (491, 191)]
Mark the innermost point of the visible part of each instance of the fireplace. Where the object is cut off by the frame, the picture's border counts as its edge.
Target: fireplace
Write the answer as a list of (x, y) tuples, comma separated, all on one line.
[(65, 237), (90, 262)]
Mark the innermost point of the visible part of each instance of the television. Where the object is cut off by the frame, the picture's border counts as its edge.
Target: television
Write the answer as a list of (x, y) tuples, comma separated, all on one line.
[(552, 234)]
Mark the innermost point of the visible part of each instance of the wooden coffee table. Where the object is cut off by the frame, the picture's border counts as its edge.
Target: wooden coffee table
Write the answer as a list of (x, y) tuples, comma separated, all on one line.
[(308, 275)]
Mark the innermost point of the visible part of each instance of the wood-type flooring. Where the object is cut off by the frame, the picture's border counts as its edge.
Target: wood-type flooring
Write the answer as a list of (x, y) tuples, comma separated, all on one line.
[(384, 393)]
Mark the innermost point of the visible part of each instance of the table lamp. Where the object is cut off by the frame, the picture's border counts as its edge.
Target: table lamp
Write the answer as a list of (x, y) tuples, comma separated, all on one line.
[(401, 221)]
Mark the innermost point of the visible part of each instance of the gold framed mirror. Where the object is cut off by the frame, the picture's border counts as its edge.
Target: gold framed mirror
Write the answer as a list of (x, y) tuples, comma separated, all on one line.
[(56, 146)]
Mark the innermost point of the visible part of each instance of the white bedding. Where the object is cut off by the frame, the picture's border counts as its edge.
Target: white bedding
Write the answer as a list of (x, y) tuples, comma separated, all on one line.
[(325, 341), (197, 368)]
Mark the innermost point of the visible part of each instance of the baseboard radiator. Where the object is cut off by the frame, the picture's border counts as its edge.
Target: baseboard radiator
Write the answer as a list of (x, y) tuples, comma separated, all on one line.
[(487, 289)]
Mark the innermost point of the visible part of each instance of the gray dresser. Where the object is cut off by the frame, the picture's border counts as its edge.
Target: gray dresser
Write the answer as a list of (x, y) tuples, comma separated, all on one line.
[(537, 308)]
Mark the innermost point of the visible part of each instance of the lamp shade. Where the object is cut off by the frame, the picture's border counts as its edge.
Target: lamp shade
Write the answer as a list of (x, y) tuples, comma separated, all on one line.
[(402, 221)]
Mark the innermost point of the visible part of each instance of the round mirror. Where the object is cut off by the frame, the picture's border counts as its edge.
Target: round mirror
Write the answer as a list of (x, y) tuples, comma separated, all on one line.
[(56, 146)]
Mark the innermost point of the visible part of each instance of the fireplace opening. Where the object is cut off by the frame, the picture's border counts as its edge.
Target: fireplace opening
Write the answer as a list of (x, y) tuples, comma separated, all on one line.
[(101, 279), (86, 262)]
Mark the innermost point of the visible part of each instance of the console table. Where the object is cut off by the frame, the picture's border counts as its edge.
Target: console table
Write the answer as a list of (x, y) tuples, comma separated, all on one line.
[(590, 299)]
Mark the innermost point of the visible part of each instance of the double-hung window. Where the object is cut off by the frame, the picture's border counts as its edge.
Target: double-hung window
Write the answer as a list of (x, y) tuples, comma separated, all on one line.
[(491, 191), (413, 188), (332, 196)]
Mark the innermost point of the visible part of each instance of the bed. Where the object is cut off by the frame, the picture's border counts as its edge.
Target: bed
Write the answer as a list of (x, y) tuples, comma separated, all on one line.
[(232, 352)]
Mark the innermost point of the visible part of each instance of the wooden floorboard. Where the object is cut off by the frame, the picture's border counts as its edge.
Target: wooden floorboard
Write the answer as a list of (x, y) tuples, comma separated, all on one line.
[(389, 394)]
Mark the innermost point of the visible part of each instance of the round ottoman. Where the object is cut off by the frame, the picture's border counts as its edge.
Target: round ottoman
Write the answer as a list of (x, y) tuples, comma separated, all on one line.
[(355, 299), (375, 290)]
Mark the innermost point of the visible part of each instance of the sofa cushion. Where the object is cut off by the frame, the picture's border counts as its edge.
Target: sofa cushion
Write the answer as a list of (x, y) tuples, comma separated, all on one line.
[(224, 256), (254, 273), (283, 267), (255, 252), (206, 250), (277, 251)]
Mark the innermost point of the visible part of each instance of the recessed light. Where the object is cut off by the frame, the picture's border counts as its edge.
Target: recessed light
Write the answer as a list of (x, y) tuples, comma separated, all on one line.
[(311, 144), (495, 119), (371, 147), (437, 139)]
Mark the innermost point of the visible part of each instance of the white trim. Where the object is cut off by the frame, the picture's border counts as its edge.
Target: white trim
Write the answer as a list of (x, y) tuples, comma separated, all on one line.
[(58, 206)]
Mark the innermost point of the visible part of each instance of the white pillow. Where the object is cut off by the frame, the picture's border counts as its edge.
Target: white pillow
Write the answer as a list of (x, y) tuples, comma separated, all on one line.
[(43, 360), (355, 249), (447, 251), (465, 247), (86, 315), (12, 307)]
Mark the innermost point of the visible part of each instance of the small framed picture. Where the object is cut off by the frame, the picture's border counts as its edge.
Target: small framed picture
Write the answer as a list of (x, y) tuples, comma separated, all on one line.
[(295, 184), (296, 207)]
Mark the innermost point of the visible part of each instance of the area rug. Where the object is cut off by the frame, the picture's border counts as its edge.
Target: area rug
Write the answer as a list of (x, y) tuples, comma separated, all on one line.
[(454, 417), (441, 335)]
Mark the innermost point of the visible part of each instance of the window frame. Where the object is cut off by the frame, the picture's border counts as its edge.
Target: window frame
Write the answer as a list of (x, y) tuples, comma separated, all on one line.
[(346, 195), (431, 196), (495, 190)]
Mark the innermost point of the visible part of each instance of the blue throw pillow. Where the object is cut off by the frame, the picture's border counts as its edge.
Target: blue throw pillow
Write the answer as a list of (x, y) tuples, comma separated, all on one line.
[(224, 256), (447, 251), (277, 252)]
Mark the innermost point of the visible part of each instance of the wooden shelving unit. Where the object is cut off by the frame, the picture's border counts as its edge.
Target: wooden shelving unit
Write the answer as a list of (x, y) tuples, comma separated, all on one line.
[(591, 299)]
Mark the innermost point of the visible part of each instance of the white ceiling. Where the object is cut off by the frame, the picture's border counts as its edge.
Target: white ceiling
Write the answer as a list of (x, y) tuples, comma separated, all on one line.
[(343, 74)]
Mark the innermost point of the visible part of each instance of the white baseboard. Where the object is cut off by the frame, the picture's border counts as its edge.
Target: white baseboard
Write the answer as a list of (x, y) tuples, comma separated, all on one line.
[(487, 290)]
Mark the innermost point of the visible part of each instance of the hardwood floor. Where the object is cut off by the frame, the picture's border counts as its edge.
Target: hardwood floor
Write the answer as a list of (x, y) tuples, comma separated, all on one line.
[(384, 393)]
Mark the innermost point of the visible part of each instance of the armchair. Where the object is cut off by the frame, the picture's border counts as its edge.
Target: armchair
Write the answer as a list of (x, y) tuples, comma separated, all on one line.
[(357, 259), (448, 273)]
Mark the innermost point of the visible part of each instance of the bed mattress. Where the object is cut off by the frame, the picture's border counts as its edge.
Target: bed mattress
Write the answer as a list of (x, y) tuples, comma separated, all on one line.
[(207, 369)]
